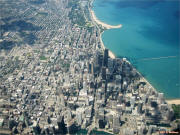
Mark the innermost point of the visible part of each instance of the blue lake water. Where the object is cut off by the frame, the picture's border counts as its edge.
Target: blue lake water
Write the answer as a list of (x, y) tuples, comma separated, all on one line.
[(150, 30)]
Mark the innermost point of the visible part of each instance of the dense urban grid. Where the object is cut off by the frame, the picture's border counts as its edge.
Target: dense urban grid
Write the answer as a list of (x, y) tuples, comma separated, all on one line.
[(55, 78)]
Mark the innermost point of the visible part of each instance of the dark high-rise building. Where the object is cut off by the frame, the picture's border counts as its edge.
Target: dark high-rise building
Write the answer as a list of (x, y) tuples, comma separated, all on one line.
[(102, 124), (98, 59), (139, 109), (110, 65), (61, 125), (90, 68), (97, 64), (72, 129), (103, 73), (105, 58)]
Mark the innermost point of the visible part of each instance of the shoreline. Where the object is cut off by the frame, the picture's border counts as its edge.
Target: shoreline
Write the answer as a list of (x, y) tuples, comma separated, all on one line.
[(173, 101), (107, 26), (112, 55)]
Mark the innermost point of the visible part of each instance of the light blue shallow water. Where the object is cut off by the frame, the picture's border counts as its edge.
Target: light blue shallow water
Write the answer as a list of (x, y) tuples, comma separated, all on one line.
[(150, 30)]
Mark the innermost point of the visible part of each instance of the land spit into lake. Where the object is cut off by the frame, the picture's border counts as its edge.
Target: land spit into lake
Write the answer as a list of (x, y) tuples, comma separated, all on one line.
[(106, 26)]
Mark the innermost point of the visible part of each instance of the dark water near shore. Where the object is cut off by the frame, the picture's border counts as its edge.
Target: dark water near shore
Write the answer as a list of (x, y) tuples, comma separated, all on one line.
[(150, 30)]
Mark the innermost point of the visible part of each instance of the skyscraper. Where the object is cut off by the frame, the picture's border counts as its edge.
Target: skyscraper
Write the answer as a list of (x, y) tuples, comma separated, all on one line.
[(116, 124), (139, 109), (105, 58), (103, 73)]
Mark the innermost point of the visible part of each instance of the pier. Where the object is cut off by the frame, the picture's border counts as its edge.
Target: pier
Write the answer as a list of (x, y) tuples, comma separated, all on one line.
[(157, 58)]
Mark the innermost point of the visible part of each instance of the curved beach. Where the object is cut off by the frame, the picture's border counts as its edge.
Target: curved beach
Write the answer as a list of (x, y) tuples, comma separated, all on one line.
[(107, 26)]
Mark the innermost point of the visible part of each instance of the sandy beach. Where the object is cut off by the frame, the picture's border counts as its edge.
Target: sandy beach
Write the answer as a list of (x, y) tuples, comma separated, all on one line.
[(111, 55), (107, 26), (173, 101)]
